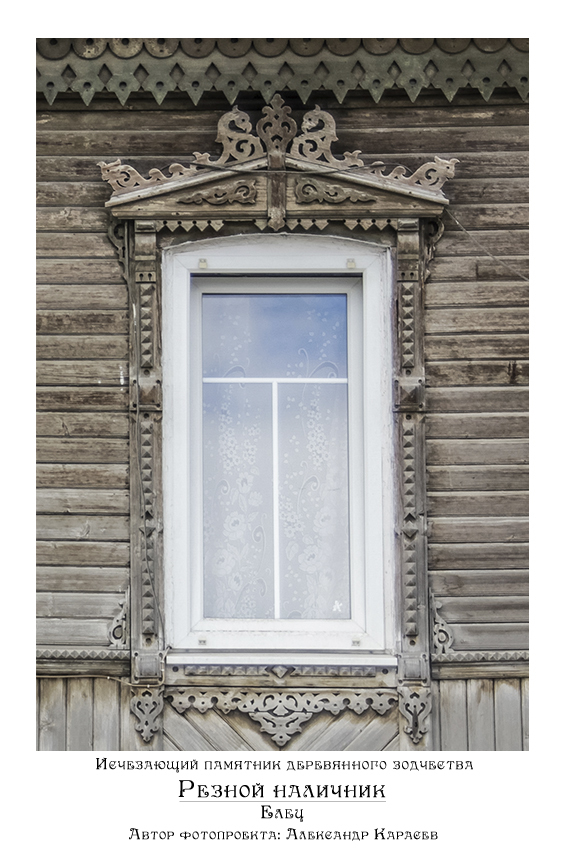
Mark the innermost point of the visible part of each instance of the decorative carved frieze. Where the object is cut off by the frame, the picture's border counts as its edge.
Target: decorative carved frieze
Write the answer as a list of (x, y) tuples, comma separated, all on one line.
[(281, 714), (280, 671), (82, 653), (125, 178), (147, 706), (415, 705), (480, 655), (87, 66)]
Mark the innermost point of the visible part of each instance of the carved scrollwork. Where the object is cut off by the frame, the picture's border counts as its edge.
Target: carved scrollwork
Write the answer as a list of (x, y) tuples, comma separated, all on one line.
[(125, 178), (430, 175), (281, 714), (237, 191), (442, 637), (309, 189), (234, 132), (118, 631), (319, 131)]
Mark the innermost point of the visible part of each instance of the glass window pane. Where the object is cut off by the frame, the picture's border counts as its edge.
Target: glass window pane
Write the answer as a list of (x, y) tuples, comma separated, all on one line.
[(313, 509), (238, 512), (264, 335)]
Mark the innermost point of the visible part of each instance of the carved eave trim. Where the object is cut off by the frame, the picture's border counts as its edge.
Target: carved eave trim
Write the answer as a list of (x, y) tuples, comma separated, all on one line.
[(221, 174)]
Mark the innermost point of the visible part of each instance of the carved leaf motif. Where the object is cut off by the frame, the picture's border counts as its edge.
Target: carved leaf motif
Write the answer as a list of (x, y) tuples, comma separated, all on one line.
[(308, 189), (238, 191), (277, 128)]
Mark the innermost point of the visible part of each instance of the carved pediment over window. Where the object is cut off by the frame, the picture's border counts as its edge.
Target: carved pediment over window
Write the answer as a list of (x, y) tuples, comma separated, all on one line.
[(276, 175)]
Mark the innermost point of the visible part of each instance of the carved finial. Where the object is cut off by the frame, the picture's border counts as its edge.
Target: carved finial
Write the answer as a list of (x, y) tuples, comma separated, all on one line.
[(431, 175), (276, 128)]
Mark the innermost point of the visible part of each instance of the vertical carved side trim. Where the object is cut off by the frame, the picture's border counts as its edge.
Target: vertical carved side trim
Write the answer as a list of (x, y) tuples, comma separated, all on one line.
[(410, 528), (145, 453)]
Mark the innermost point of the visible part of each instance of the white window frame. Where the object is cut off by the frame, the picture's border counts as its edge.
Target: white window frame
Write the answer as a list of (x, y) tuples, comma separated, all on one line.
[(370, 630)]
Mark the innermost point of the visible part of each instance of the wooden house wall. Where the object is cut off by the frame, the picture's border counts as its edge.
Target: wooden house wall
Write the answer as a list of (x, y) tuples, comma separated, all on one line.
[(476, 351)]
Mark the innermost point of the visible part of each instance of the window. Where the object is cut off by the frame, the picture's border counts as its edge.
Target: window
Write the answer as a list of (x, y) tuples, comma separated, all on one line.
[(278, 473)]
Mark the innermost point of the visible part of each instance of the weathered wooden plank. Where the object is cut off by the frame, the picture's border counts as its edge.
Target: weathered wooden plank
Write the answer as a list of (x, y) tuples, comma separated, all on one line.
[(479, 530), (106, 715), (82, 579), (480, 216), (72, 194), (71, 632), (508, 715), (80, 606), (475, 373), (80, 714), (478, 556), (455, 243), (506, 426), (440, 320), (487, 191), (342, 733), (476, 294), (453, 716), (376, 736), (480, 714), (85, 296), (525, 700), (82, 425), (68, 501), (67, 245), (82, 347), (82, 528), (477, 399), (90, 553), (90, 476), (218, 733), (479, 268), (499, 452), (498, 636), (313, 733), (181, 732), (374, 140), (82, 450), (476, 347), (72, 219), (52, 712), (479, 504), (487, 582), (82, 373), (75, 398), (82, 322), (483, 609), (360, 116), (477, 478)]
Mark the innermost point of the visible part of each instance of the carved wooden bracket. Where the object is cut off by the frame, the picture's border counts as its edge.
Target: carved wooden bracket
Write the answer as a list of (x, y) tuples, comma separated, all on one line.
[(415, 705), (147, 705)]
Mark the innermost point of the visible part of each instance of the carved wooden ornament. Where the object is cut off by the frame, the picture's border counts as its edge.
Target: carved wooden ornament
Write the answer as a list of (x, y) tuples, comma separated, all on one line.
[(277, 157)]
